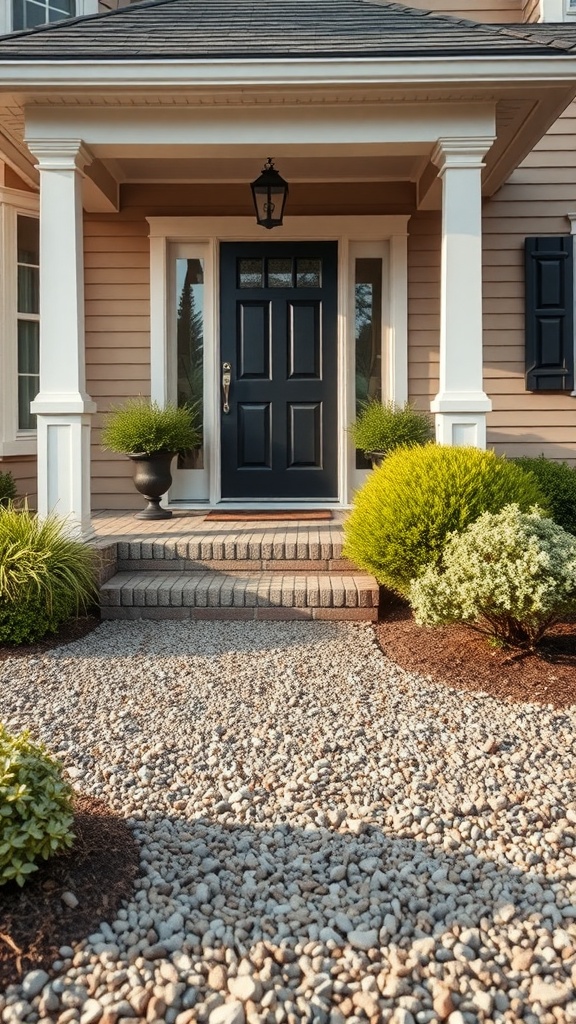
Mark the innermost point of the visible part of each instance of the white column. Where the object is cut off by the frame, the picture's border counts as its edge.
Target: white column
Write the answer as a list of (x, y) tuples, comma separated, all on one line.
[(461, 404), (63, 408)]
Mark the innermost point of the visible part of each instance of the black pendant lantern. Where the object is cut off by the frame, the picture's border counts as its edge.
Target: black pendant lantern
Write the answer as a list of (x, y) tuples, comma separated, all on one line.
[(269, 193)]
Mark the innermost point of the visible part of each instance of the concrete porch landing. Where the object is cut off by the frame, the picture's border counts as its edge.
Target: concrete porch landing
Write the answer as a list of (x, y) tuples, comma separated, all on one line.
[(190, 567)]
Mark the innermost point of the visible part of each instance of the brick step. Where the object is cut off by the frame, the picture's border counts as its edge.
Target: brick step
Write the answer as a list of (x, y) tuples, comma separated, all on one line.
[(239, 595), (319, 550)]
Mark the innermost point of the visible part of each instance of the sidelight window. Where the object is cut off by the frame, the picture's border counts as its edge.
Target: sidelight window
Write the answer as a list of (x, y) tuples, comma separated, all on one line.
[(190, 347), (368, 336)]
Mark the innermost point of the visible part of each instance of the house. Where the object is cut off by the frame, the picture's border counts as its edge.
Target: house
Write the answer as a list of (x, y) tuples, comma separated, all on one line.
[(421, 149)]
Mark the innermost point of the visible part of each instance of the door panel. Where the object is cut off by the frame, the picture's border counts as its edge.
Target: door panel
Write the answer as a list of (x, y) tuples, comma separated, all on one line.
[(278, 332)]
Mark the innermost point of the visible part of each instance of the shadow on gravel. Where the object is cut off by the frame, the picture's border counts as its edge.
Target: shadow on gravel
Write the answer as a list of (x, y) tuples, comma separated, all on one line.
[(292, 882), (261, 891)]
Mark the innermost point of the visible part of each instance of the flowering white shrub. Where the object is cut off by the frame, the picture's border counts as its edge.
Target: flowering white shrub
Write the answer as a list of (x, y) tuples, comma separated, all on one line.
[(511, 575)]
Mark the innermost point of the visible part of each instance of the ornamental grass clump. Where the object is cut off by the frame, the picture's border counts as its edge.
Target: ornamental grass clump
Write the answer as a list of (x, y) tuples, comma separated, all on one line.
[(142, 427), (45, 576), (35, 807), (384, 426), (510, 575), (557, 480), (404, 513)]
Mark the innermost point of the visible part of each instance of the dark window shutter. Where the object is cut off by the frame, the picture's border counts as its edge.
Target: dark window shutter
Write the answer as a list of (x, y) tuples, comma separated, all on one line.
[(549, 314)]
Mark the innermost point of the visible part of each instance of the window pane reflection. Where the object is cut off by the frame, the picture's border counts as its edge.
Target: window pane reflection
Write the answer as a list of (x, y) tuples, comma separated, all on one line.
[(28, 371), (279, 273), (250, 273), (368, 332), (190, 347), (309, 273)]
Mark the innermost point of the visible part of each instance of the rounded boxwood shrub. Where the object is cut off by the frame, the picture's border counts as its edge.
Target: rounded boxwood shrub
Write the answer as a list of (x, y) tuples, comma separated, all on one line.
[(511, 575), (35, 807), (404, 513), (384, 426), (142, 427), (45, 576), (557, 480), (7, 488)]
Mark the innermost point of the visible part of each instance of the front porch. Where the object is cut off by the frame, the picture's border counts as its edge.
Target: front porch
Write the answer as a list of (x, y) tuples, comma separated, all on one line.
[(189, 567), (391, 136)]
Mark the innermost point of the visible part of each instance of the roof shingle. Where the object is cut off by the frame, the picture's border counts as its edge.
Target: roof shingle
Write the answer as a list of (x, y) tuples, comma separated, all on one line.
[(229, 29)]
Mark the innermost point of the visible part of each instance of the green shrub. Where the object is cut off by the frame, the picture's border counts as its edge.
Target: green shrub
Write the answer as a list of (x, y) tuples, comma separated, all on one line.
[(403, 515), (45, 576), (381, 427), (143, 427), (35, 807), (557, 480), (7, 488), (510, 575)]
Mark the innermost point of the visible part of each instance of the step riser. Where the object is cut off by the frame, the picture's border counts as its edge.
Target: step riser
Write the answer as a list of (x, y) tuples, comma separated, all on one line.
[(232, 549), (242, 614), (212, 590), (234, 565)]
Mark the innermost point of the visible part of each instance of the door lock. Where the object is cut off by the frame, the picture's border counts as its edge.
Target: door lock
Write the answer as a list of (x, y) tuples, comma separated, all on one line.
[(226, 378)]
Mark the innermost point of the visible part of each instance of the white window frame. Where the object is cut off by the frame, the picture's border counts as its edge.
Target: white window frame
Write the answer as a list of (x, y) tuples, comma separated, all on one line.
[(557, 10), (13, 204), (6, 12)]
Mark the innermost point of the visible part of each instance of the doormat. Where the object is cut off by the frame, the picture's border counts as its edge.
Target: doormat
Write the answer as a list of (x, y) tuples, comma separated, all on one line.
[(269, 515)]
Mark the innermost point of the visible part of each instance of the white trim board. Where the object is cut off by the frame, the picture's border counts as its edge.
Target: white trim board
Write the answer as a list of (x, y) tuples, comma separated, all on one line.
[(384, 235), (149, 75)]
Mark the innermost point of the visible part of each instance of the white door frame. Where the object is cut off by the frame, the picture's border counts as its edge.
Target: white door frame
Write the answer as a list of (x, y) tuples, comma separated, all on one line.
[(356, 236)]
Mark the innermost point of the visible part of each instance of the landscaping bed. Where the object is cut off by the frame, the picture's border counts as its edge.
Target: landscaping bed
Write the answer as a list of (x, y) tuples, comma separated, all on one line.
[(35, 921), (461, 658)]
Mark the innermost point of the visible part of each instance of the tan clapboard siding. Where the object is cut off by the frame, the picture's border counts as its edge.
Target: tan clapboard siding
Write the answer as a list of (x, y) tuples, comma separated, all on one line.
[(502, 11), (522, 423), (423, 307), (24, 472), (117, 294), (535, 201)]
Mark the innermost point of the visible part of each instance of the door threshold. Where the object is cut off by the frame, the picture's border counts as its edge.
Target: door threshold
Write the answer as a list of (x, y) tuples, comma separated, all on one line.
[(256, 506)]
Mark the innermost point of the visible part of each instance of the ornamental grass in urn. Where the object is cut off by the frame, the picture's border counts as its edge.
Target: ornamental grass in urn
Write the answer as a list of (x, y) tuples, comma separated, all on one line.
[(151, 436), (380, 427)]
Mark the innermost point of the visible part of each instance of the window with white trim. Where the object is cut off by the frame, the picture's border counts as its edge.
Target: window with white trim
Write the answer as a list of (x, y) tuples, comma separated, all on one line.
[(31, 13), (20, 319), (28, 317), (557, 10), (18, 15)]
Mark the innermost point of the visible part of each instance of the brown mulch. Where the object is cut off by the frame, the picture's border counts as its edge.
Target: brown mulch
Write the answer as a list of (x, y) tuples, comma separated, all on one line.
[(99, 869), (73, 629), (462, 658)]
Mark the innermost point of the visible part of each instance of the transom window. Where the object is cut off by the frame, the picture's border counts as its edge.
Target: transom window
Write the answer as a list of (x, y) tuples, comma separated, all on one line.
[(30, 13)]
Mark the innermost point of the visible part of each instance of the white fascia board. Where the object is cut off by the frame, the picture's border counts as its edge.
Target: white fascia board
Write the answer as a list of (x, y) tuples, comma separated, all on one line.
[(372, 124), (142, 75)]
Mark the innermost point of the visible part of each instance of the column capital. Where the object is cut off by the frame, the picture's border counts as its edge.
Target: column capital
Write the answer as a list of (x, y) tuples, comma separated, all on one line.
[(60, 154), (463, 153)]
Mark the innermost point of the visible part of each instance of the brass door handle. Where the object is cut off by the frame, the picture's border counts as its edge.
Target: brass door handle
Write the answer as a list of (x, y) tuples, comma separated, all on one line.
[(226, 378)]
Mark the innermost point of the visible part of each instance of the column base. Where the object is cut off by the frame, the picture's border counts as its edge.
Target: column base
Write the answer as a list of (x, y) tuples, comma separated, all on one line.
[(461, 429), (461, 418), (64, 471)]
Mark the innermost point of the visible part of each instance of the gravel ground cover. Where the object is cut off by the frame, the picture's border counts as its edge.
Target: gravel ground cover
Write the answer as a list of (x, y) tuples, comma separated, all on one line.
[(324, 836)]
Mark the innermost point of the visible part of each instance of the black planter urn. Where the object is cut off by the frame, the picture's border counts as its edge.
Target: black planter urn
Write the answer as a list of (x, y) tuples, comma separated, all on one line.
[(152, 477), (376, 458)]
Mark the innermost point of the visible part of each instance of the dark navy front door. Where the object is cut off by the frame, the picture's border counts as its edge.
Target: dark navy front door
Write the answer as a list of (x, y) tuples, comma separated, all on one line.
[(278, 320)]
